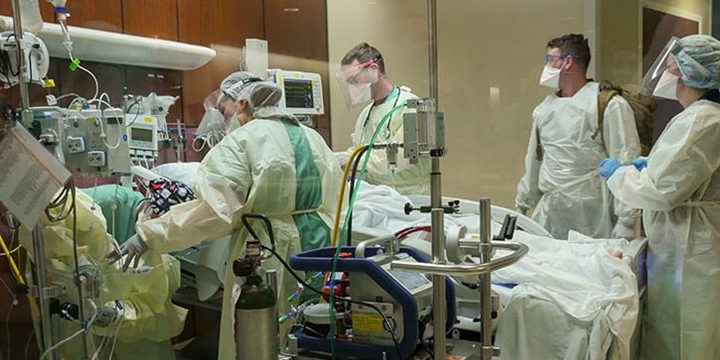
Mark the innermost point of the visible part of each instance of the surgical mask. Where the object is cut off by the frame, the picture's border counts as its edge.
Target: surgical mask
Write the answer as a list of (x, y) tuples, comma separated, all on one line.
[(360, 93), (550, 76), (667, 86)]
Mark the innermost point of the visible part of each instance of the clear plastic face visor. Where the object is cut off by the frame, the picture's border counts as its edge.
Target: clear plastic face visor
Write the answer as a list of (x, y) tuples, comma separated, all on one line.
[(664, 61), (355, 82)]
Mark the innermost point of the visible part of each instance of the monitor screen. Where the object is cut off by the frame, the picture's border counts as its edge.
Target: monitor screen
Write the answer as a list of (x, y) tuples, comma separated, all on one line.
[(411, 280), (299, 93), (138, 134)]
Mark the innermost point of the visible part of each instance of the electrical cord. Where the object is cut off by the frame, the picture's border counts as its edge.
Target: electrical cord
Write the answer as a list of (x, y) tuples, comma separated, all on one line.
[(66, 209), (75, 255), (117, 331), (7, 320), (99, 348), (67, 95), (27, 343), (62, 342), (388, 326)]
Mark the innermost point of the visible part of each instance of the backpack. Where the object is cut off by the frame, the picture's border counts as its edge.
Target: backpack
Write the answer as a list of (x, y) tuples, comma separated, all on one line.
[(642, 107)]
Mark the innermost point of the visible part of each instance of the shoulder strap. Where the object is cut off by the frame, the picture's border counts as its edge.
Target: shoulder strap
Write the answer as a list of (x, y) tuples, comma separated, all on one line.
[(538, 145), (605, 93)]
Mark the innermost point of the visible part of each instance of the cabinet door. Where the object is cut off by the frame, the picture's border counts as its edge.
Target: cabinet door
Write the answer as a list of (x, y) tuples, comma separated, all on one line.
[(296, 31), (222, 25)]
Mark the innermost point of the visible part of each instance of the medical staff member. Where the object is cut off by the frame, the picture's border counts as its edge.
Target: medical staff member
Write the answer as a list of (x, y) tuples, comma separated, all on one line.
[(561, 179), (678, 187), (365, 83), (270, 165)]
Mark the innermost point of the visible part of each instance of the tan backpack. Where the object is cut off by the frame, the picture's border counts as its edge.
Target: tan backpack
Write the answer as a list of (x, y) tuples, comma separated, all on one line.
[(642, 107)]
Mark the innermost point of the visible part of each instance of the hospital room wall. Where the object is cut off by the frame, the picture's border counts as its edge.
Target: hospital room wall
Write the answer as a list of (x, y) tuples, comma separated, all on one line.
[(490, 59), (620, 51)]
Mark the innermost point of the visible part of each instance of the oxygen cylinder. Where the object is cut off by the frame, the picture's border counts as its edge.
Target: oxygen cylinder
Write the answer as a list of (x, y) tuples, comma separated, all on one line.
[(256, 323)]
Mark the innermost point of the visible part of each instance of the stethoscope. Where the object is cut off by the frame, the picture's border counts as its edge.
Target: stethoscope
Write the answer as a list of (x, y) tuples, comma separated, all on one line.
[(387, 127)]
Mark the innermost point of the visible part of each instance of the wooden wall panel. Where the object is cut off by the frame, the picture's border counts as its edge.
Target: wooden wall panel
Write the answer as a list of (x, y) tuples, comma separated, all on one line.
[(296, 31), (224, 22), (156, 19), (101, 15), (222, 25)]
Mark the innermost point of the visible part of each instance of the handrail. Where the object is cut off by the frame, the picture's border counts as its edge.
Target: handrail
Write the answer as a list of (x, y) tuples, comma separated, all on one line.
[(519, 250), (360, 249)]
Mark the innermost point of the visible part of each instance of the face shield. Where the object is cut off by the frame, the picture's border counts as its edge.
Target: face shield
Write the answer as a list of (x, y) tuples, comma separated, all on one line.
[(661, 78), (355, 81), (212, 126)]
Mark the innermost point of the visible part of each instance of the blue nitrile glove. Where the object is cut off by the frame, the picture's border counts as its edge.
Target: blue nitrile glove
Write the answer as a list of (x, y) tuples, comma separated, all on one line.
[(640, 163), (608, 167)]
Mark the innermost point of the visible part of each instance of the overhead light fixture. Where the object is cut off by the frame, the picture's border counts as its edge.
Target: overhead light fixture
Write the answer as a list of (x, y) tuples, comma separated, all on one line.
[(117, 48)]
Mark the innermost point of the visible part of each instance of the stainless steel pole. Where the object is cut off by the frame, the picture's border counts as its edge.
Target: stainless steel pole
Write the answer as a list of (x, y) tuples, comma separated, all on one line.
[(485, 290), (432, 49), (437, 212), (39, 250), (438, 253), (41, 285)]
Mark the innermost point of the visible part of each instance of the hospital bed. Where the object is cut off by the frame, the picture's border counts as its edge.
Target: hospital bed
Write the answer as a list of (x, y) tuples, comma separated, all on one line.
[(379, 211)]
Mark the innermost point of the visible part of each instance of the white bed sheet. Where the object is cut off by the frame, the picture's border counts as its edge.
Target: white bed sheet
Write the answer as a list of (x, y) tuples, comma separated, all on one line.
[(573, 300)]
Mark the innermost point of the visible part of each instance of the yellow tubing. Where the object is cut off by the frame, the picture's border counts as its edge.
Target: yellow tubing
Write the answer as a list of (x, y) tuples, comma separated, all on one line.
[(13, 266), (33, 307), (338, 210)]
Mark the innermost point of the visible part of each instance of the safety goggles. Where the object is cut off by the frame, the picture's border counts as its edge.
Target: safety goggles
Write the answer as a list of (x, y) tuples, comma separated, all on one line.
[(552, 58), (352, 75)]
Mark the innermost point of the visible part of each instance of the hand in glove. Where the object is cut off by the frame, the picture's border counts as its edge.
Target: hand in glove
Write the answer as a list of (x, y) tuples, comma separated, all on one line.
[(521, 210), (134, 247), (608, 166), (624, 229), (640, 163)]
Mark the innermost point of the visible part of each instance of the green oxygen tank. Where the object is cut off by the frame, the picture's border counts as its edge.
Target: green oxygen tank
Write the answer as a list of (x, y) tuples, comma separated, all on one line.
[(256, 324)]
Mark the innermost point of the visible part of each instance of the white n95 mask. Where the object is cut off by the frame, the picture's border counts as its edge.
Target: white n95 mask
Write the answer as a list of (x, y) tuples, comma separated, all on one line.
[(666, 86), (360, 93), (550, 77)]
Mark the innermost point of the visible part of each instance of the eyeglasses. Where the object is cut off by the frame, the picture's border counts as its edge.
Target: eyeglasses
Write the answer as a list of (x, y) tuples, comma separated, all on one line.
[(554, 57)]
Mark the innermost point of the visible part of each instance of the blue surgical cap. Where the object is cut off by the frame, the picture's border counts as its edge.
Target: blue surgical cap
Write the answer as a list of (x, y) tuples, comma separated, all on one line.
[(698, 59)]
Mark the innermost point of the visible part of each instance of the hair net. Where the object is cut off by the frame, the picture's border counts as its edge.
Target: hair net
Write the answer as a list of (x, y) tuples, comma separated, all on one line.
[(699, 61), (264, 100), (263, 97), (237, 85)]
